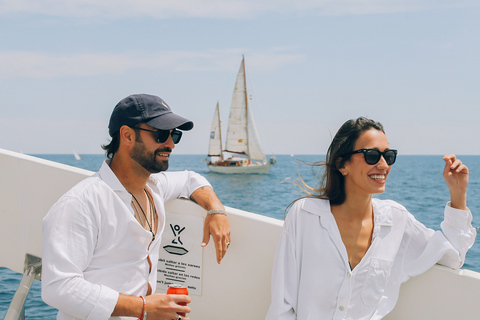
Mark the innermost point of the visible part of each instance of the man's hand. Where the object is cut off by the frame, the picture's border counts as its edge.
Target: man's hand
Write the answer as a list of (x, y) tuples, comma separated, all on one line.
[(166, 306), (217, 225), (158, 306)]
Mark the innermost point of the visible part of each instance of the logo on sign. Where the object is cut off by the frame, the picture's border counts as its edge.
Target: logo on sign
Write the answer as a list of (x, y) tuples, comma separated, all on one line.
[(176, 246)]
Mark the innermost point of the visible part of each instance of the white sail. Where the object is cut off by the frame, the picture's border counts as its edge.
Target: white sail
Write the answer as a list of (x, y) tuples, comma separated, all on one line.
[(255, 151), (75, 154), (237, 122), (215, 144), (242, 136)]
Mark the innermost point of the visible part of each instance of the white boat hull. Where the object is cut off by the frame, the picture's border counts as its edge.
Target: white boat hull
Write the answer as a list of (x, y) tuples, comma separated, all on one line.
[(251, 168), (239, 288)]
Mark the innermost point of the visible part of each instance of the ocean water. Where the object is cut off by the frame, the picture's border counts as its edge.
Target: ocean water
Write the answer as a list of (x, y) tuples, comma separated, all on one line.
[(415, 181)]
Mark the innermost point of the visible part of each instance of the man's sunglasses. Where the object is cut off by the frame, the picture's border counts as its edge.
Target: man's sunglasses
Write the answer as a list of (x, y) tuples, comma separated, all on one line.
[(162, 135), (372, 156)]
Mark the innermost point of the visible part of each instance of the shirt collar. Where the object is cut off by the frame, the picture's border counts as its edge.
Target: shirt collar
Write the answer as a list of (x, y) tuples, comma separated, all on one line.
[(321, 207), (107, 175), (316, 206)]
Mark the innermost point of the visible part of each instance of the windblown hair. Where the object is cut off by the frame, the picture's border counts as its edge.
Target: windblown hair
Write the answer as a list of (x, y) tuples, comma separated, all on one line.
[(112, 147), (332, 182)]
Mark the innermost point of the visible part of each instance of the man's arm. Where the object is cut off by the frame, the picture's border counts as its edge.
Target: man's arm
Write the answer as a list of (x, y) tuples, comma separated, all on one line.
[(216, 224)]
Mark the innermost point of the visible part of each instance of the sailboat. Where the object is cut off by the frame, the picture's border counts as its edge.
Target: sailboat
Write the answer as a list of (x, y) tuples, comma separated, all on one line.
[(242, 136), (76, 155)]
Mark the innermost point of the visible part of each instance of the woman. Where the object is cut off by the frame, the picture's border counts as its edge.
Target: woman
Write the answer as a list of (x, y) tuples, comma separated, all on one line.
[(343, 254)]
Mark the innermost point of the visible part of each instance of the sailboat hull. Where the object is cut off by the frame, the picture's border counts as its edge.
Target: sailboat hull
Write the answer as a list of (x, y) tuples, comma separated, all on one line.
[(250, 168)]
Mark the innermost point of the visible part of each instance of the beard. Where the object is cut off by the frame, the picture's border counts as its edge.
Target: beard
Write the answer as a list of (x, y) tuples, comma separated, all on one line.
[(148, 160)]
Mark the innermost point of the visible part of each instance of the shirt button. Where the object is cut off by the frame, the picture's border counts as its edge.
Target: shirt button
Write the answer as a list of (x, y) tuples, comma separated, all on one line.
[(341, 308), (349, 275)]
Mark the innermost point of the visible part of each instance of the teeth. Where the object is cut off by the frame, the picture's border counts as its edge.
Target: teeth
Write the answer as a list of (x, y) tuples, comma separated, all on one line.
[(378, 176)]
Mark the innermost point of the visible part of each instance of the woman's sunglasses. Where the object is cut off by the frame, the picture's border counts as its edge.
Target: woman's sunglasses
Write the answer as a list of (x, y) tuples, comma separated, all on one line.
[(372, 156), (162, 135)]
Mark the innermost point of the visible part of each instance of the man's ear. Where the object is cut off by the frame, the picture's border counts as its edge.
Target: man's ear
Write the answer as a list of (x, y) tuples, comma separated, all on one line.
[(127, 135)]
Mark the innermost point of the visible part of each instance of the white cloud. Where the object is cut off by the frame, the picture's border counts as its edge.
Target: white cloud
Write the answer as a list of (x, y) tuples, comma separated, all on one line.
[(220, 9), (46, 65)]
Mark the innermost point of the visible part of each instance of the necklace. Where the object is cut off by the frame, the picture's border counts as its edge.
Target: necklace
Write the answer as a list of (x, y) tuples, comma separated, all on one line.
[(153, 213)]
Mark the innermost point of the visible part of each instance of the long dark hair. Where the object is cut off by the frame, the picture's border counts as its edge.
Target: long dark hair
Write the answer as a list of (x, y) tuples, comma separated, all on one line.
[(332, 182)]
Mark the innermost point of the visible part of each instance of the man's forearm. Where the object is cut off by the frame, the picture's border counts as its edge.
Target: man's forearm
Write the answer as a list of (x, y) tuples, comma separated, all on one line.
[(128, 306), (206, 198)]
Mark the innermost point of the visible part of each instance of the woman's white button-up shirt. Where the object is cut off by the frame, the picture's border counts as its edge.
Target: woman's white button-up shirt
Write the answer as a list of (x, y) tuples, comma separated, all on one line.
[(312, 278)]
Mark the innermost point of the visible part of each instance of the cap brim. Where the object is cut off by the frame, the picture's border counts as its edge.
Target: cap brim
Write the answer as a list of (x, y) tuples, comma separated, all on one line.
[(170, 121)]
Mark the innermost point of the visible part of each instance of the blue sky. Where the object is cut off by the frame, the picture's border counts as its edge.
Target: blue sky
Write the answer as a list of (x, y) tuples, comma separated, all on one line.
[(413, 65)]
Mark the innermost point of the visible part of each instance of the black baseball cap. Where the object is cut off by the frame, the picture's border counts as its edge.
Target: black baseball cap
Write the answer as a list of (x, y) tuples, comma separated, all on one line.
[(148, 109)]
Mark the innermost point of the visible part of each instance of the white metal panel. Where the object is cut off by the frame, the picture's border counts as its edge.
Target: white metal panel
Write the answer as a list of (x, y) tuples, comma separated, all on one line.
[(29, 187), (441, 294), (238, 288)]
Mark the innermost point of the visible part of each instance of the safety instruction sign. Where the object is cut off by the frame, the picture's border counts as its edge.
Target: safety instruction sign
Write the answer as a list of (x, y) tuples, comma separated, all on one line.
[(180, 258)]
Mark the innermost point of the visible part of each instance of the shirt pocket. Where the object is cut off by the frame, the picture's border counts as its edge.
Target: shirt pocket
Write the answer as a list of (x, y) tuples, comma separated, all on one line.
[(376, 281)]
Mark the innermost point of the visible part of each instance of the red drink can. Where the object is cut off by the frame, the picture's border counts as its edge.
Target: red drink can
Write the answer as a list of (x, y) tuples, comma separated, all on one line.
[(178, 289)]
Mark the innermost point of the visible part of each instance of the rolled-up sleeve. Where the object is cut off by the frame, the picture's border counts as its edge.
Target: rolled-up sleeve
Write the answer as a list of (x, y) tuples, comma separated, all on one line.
[(180, 184), (457, 228), (447, 247)]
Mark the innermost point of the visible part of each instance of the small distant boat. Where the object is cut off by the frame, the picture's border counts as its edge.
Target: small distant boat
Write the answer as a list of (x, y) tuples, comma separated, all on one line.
[(242, 136), (77, 156)]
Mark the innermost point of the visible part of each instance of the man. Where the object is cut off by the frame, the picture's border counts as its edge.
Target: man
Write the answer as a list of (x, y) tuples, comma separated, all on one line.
[(102, 238)]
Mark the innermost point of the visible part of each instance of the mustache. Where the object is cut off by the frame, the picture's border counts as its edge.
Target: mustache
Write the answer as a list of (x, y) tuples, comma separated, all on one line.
[(160, 150)]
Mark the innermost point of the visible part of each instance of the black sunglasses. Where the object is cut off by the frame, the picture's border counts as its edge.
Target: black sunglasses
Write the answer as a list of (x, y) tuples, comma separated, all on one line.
[(372, 156), (162, 135)]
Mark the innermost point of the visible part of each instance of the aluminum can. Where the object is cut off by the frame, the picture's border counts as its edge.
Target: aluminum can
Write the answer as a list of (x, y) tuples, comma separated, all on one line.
[(178, 289)]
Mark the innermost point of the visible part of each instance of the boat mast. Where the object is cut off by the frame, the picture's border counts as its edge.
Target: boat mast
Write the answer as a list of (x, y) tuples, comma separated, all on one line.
[(219, 131), (246, 106)]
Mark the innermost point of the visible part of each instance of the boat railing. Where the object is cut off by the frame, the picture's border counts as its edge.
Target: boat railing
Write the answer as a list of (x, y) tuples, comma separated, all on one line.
[(32, 271)]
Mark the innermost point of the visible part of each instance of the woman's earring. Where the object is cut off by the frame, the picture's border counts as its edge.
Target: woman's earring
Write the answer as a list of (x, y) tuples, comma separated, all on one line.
[(344, 173)]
